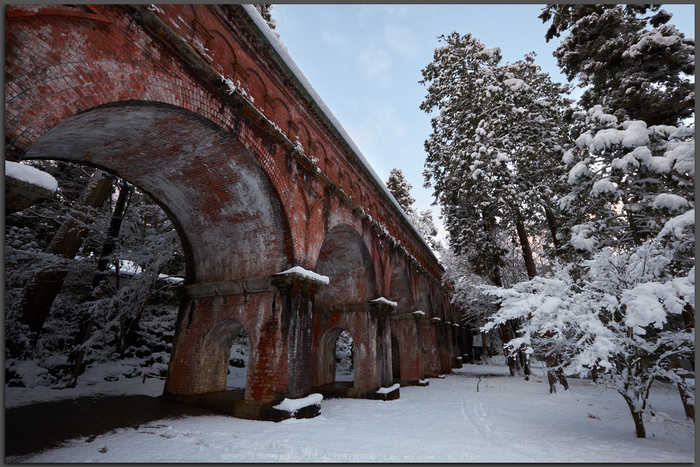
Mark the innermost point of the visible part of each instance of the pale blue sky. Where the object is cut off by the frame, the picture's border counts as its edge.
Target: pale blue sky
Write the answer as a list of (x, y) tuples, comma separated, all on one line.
[(365, 62)]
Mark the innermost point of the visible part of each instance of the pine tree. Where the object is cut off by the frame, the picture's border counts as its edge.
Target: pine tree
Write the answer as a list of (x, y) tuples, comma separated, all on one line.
[(400, 189), (494, 150), (634, 72), (265, 11), (423, 221), (495, 144)]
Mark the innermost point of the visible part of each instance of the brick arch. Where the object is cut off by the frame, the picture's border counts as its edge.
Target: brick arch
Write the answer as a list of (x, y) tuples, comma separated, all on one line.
[(345, 259), (320, 154), (281, 115), (304, 136), (214, 355), (203, 177), (400, 288), (256, 88), (323, 362), (223, 46)]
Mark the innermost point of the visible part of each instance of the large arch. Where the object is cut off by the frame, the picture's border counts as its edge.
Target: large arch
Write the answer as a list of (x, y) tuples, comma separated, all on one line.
[(345, 260), (346, 303), (226, 211), (407, 359)]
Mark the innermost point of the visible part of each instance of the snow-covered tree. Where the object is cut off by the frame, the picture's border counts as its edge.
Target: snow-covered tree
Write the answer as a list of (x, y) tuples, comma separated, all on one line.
[(627, 58), (400, 189), (497, 136), (265, 11), (622, 321), (625, 182), (629, 311)]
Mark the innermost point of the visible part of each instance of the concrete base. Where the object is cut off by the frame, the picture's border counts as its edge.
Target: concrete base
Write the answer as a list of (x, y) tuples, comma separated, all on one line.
[(232, 403), (457, 362), (345, 390)]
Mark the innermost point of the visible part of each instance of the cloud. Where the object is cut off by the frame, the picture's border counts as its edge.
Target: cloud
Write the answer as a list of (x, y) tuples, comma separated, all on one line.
[(401, 41), (375, 63), (378, 122), (333, 38)]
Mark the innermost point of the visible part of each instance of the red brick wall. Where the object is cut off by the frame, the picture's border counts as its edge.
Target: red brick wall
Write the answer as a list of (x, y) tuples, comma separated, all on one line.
[(136, 91)]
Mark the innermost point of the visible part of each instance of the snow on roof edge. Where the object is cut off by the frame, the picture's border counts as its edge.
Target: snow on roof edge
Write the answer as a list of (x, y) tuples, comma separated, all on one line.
[(281, 51)]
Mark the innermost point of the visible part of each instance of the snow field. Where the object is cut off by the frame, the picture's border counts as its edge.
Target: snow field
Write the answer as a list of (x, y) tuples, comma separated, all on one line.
[(508, 420)]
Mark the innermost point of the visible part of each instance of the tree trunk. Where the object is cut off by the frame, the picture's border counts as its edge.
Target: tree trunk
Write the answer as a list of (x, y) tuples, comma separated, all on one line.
[(40, 292), (687, 399), (525, 246), (638, 424), (636, 416), (552, 223), (107, 249), (485, 348), (507, 335), (112, 235), (553, 376)]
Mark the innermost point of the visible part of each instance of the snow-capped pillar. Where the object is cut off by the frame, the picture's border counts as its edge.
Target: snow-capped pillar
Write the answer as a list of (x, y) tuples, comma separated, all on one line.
[(296, 289), (383, 308), (429, 346), (442, 339), (405, 327)]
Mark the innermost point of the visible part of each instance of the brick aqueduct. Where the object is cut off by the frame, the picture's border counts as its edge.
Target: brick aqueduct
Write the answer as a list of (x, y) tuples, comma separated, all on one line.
[(201, 107)]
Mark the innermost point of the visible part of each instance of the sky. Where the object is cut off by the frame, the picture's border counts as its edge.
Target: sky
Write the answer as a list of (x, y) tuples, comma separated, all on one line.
[(365, 62)]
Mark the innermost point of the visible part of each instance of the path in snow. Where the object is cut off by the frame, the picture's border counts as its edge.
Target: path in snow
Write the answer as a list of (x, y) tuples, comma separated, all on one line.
[(508, 420)]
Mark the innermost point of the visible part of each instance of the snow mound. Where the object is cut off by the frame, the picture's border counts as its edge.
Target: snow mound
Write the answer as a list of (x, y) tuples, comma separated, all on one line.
[(306, 273), (385, 301), (388, 390), (292, 405), (31, 175)]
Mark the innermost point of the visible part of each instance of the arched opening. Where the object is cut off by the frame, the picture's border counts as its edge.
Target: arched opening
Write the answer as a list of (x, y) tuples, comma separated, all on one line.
[(223, 341), (95, 267), (211, 189), (395, 358), (204, 178), (334, 361), (238, 362), (344, 358)]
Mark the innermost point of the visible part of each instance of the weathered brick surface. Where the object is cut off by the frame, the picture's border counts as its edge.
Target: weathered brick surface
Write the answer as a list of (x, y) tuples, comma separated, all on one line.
[(371, 336), (410, 358), (138, 91), (429, 348)]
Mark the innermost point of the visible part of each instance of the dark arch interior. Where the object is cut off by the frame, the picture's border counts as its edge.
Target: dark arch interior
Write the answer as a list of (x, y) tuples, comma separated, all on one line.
[(135, 307), (217, 348)]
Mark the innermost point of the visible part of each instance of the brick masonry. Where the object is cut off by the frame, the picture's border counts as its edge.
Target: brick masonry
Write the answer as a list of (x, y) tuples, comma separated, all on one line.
[(139, 91)]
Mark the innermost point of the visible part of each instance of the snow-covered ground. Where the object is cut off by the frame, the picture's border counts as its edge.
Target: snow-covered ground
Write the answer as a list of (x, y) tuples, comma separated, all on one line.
[(507, 420)]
